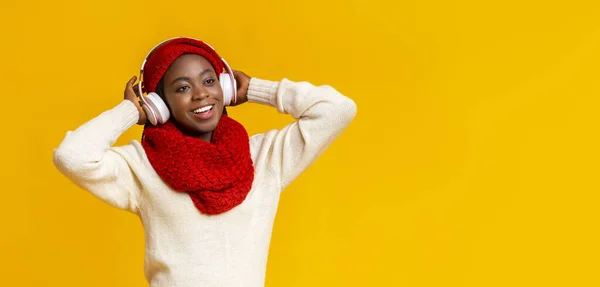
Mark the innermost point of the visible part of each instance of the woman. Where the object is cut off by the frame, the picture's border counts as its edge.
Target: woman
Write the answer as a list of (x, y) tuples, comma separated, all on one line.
[(206, 192)]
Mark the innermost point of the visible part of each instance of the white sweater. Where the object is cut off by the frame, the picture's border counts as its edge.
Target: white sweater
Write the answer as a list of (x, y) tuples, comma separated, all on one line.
[(183, 246)]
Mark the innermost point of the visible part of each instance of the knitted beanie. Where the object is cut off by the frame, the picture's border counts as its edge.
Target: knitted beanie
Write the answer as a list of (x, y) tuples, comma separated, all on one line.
[(163, 56)]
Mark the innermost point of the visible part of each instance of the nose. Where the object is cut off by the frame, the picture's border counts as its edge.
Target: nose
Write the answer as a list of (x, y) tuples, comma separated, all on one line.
[(200, 93)]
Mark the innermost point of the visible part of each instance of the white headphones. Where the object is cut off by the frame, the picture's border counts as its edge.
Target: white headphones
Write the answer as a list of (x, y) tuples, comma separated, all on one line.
[(154, 107)]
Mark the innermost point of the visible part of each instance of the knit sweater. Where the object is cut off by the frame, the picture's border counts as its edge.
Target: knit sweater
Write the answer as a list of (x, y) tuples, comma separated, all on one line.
[(183, 246)]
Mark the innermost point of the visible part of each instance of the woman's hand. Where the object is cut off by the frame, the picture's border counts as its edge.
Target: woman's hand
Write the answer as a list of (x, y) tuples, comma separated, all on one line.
[(132, 94), (242, 81)]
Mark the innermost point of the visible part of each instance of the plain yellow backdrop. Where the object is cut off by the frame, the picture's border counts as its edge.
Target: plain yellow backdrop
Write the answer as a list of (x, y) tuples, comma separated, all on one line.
[(473, 159)]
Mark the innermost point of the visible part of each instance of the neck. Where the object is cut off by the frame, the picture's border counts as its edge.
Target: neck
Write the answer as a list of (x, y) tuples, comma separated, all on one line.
[(205, 137)]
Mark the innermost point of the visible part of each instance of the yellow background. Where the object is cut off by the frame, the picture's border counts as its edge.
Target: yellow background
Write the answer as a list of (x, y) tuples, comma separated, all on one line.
[(473, 159)]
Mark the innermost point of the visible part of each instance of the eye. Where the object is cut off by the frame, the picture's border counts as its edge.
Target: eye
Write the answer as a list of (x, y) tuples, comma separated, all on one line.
[(209, 81), (182, 89)]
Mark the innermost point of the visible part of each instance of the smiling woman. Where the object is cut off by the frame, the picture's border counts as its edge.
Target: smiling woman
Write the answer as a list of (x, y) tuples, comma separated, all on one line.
[(205, 191)]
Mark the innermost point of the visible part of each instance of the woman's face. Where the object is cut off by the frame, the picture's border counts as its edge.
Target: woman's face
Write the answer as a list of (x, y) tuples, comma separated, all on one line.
[(193, 95)]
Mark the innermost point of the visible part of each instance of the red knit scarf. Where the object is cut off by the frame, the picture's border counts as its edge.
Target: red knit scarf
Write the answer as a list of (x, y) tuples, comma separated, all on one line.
[(217, 175)]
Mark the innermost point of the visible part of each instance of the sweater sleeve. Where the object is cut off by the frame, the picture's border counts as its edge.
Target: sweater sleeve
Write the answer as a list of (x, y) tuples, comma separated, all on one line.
[(86, 158), (321, 114)]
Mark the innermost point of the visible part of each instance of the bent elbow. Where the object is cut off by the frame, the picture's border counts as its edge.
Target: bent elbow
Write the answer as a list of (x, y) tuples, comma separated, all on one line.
[(350, 108), (60, 158), (345, 107), (66, 159)]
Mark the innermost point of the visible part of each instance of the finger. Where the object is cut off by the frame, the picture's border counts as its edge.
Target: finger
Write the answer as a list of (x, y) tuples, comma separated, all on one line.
[(128, 86), (131, 81), (136, 89), (129, 92)]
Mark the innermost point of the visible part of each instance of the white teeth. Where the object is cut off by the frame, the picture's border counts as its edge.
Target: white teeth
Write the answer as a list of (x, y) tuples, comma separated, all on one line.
[(203, 109)]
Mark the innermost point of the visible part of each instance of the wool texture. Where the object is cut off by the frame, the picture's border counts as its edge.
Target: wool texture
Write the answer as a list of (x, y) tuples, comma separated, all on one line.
[(217, 175)]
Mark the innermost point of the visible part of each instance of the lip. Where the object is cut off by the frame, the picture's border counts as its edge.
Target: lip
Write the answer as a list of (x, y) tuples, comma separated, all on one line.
[(205, 115), (202, 106)]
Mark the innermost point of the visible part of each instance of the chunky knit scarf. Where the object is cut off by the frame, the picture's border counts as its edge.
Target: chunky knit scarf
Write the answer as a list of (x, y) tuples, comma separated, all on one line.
[(217, 175)]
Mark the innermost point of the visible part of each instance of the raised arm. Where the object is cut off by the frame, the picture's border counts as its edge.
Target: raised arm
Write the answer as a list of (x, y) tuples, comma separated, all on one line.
[(85, 156), (321, 114)]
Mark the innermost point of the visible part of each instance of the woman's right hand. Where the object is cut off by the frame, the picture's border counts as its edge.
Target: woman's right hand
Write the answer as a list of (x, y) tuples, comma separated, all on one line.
[(132, 94)]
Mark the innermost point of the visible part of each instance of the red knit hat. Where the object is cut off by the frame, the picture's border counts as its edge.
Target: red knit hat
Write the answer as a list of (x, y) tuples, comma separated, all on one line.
[(163, 56)]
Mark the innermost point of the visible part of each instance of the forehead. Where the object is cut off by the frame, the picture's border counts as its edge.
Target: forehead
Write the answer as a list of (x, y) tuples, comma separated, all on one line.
[(188, 63)]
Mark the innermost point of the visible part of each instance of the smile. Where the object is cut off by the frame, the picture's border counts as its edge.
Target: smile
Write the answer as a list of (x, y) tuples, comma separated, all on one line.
[(204, 113), (203, 109)]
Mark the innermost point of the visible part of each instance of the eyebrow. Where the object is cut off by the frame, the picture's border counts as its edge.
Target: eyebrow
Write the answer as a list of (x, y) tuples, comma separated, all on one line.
[(208, 70)]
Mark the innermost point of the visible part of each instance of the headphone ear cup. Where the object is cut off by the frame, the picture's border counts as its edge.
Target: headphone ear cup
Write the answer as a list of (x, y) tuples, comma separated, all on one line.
[(157, 108), (149, 114), (225, 81)]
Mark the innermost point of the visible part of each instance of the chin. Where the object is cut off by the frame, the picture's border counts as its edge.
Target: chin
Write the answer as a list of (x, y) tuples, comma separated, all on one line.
[(192, 127), (209, 125), (205, 129)]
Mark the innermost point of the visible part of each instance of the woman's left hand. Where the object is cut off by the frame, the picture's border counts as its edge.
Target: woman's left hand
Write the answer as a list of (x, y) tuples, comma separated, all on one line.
[(242, 81)]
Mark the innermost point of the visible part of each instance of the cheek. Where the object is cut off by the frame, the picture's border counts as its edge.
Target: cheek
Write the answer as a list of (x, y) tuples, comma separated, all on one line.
[(217, 91), (174, 104)]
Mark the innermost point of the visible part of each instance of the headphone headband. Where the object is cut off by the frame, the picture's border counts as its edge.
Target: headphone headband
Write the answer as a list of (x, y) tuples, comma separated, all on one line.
[(144, 64)]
